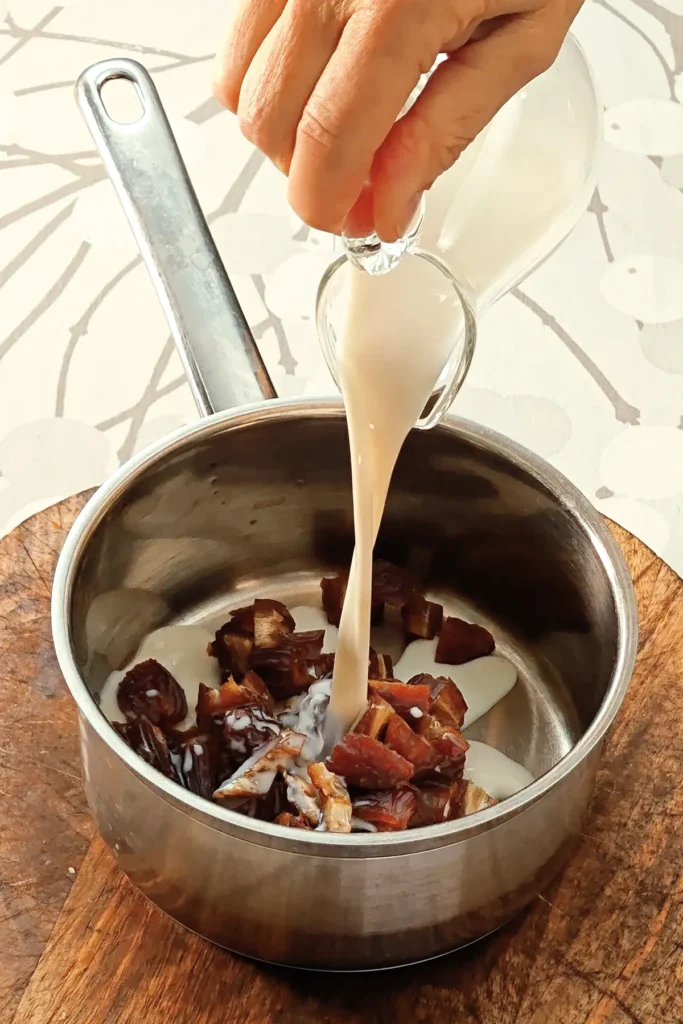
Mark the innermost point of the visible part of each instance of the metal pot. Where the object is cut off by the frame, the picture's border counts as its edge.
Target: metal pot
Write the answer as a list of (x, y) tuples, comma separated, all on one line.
[(258, 500)]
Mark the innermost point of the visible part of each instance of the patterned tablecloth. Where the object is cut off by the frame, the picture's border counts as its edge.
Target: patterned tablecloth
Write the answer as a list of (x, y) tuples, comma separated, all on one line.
[(584, 366)]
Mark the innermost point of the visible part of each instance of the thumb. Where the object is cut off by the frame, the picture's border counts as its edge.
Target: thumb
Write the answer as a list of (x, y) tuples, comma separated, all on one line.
[(459, 100)]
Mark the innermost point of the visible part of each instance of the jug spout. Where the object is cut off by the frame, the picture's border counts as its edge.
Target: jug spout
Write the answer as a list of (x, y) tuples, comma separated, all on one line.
[(220, 356)]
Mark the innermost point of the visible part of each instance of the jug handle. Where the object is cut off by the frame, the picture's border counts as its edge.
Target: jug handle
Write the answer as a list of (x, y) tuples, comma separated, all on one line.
[(218, 351)]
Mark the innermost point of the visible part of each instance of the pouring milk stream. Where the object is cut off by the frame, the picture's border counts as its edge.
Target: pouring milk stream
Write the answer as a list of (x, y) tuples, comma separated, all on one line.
[(490, 218), (385, 389)]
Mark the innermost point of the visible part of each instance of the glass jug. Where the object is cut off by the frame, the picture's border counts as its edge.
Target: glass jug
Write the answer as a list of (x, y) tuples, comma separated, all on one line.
[(501, 210)]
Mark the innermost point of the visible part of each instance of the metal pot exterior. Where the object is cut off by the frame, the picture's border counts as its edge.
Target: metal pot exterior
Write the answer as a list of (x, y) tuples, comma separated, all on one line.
[(265, 490), (329, 912)]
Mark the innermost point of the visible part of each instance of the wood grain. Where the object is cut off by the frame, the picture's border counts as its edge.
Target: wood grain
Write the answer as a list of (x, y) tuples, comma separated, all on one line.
[(45, 826), (604, 945)]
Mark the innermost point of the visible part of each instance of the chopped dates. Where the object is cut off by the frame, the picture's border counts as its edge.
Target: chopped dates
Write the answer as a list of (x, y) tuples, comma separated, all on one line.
[(334, 796), (149, 691), (403, 696), (374, 720), (368, 764), (333, 593), (149, 742), (304, 797), (413, 747), (437, 803), (272, 623), (247, 729), (421, 618), (290, 820), (475, 799), (256, 746), (460, 642), (390, 810), (284, 670), (197, 763), (391, 584), (380, 666)]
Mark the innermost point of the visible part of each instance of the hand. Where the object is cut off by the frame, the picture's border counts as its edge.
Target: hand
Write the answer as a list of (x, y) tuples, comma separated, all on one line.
[(318, 85)]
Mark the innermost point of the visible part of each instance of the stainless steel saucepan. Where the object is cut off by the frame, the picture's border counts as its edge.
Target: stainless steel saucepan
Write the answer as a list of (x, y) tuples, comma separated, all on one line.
[(256, 499)]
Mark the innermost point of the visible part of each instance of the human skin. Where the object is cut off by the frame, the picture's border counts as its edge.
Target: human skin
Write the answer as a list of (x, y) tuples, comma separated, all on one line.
[(318, 86)]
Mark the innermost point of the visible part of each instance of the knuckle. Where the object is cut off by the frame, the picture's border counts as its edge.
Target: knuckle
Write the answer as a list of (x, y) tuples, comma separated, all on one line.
[(446, 152), (436, 149), (317, 126), (252, 115)]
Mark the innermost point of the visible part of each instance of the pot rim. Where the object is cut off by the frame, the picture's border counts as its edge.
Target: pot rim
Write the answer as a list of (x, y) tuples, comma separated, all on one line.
[(321, 843)]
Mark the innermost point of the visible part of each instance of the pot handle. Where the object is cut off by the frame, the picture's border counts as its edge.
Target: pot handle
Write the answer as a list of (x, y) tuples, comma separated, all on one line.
[(218, 350)]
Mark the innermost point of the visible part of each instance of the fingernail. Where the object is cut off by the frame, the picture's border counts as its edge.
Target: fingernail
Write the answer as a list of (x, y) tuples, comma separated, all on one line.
[(360, 221), (408, 215)]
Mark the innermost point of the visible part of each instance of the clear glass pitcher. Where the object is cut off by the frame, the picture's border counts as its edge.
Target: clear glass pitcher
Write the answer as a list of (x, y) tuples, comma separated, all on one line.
[(501, 210)]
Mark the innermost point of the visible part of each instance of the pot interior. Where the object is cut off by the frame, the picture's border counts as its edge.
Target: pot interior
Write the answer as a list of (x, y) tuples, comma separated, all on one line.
[(260, 504)]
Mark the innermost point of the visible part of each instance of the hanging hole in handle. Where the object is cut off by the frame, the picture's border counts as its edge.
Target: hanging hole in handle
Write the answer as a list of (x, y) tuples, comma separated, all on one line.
[(121, 100)]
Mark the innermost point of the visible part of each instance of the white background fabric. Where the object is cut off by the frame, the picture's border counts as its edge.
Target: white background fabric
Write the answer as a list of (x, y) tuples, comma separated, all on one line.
[(588, 371)]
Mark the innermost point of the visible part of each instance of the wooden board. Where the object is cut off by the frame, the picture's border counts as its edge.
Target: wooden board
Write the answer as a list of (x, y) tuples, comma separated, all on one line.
[(78, 945)]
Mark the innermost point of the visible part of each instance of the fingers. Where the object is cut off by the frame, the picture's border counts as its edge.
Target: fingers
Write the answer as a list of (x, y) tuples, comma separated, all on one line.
[(350, 111), (282, 77), (252, 22), (459, 100)]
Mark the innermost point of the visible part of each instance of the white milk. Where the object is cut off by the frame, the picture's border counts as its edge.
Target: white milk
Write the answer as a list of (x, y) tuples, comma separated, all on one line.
[(496, 774), (399, 331), (519, 188)]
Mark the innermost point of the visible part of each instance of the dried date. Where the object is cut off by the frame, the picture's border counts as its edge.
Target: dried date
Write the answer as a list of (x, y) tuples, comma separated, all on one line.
[(257, 774), (380, 666), (449, 743), (149, 743), (308, 644), (232, 649), (403, 697), (303, 796), (334, 797), (422, 619), (322, 667), (390, 810), (149, 691), (460, 642), (290, 820), (197, 763), (391, 584), (213, 701), (475, 799), (333, 594), (374, 720), (246, 729), (368, 764), (437, 803), (272, 622), (284, 670), (447, 704), (416, 749)]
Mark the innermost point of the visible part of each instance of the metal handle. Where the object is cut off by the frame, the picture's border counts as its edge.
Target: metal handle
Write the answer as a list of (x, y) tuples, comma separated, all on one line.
[(220, 356)]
